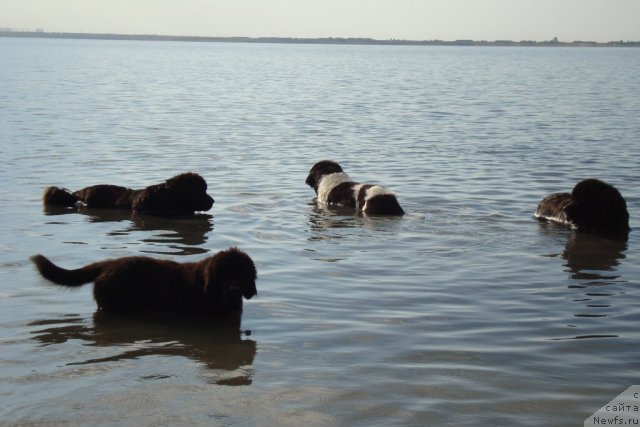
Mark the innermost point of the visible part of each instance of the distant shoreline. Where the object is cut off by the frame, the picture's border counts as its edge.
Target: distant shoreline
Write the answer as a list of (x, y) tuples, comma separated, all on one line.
[(325, 40)]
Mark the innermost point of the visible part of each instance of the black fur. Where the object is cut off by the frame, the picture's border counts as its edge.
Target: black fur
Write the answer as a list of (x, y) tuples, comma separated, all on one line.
[(593, 206), (185, 193), (214, 285), (342, 195)]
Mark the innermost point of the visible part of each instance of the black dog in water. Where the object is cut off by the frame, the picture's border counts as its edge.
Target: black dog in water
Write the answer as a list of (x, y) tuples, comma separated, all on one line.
[(183, 194), (593, 206), (214, 285)]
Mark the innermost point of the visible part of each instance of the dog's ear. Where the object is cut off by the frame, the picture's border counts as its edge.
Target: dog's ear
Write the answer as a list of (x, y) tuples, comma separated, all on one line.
[(572, 212), (152, 199), (311, 180)]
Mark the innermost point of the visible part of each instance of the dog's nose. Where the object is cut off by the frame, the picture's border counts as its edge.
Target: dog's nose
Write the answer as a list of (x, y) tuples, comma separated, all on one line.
[(207, 203), (246, 291)]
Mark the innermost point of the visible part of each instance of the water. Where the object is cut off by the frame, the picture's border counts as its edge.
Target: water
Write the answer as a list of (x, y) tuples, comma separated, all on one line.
[(465, 312)]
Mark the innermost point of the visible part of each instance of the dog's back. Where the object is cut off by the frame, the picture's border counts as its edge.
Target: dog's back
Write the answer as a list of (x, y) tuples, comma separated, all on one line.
[(143, 283), (334, 187), (383, 204), (551, 208), (106, 196)]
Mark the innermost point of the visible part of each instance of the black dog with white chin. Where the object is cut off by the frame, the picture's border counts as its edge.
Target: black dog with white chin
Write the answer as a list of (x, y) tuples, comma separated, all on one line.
[(593, 206), (334, 188)]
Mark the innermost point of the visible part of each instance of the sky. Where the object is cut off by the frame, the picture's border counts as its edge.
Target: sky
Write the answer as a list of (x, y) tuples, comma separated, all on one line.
[(568, 20)]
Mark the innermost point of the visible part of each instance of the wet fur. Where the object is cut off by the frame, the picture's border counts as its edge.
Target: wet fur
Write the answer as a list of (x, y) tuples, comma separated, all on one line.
[(593, 206), (335, 188), (183, 194), (215, 285)]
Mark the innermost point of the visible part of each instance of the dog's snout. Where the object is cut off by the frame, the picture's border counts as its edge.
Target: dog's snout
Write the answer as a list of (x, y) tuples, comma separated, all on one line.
[(205, 203), (247, 292)]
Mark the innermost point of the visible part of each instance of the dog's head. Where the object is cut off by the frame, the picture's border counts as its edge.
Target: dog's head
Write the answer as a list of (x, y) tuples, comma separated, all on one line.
[(597, 207), (320, 169), (229, 276), (184, 193)]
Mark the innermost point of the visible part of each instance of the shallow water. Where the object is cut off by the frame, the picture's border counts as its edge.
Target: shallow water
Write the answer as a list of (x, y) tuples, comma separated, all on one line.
[(465, 312)]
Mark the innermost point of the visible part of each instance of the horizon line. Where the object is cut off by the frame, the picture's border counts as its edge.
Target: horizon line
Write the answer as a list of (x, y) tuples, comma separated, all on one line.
[(7, 31)]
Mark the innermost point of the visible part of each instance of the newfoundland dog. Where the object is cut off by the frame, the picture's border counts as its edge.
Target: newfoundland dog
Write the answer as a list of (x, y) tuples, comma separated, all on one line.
[(593, 206), (334, 188), (183, 194), (214, 285)]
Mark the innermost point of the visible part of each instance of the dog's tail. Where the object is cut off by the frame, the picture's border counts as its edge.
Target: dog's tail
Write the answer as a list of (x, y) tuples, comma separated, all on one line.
[(61, 276)]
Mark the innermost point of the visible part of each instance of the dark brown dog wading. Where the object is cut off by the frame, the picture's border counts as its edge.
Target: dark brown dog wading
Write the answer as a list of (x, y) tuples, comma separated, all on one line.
[(183, 194), (215, 285), (593, 206), (334, 188)]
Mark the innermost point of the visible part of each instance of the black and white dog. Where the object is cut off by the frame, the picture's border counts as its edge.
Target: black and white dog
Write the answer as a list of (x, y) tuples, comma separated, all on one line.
[(334, 188), (592, 206)]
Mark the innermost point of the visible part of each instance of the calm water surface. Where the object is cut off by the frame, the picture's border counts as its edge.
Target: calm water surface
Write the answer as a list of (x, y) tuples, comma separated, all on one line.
[(465, 312)]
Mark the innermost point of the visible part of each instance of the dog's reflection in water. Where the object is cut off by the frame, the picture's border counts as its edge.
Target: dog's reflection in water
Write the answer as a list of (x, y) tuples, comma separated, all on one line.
[(592, 256), (215, 342), (178, 235)]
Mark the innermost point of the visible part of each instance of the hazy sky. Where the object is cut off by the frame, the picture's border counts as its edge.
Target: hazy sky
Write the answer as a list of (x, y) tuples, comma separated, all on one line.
[(598, 20)]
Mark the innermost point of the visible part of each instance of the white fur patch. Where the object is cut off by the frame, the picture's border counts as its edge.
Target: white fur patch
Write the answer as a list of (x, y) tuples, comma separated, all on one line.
[(356, 191), (376, 190), (562, 219), (328, 183)]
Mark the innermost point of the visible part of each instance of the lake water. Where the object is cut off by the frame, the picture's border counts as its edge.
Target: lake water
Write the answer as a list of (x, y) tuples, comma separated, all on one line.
[(465, 312)]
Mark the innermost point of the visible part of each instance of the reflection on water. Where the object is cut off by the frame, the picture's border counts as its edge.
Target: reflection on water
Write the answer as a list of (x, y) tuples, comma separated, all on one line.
[(327, 223), (593, 257), (589, 257), (322, 219), (592, 261), (181, 235), (217, 344)]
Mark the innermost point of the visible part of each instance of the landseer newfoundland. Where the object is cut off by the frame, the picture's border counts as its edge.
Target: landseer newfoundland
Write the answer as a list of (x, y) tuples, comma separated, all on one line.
[(334, 188), (183, 194), (212, 286), (593, 206)]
